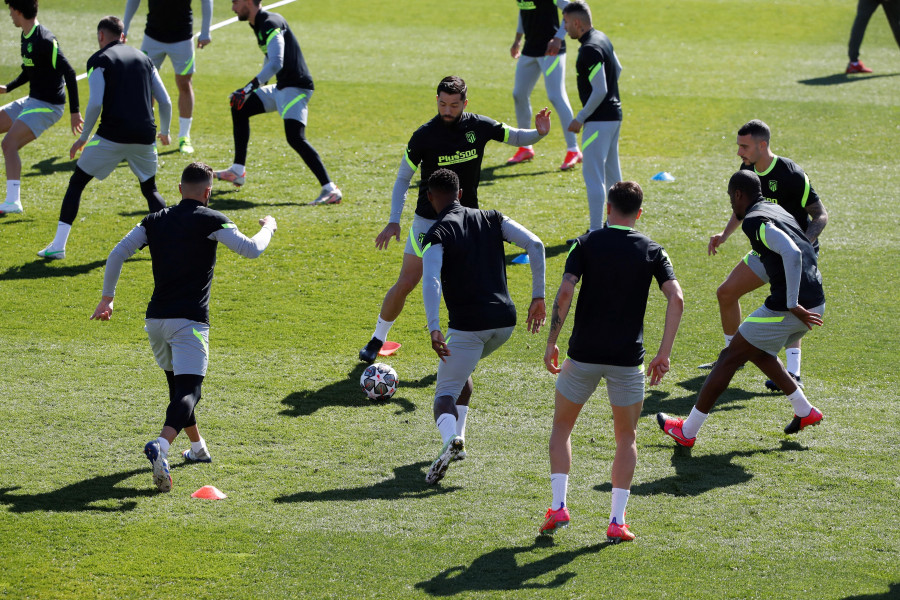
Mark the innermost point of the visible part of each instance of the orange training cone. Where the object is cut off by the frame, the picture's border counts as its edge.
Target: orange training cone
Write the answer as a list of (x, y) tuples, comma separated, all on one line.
[(389, 348), (209, 492)]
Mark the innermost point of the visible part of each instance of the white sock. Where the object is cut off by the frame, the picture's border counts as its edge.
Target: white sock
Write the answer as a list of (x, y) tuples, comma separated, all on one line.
[(463, 411), (163, 445), (728, 339), (238, 169), (572, 149), (12, 190), (527, 147), (62, 236), (619, 501), (801, 405), (559, 482), (184, 127), (329, 187), (693, 423), (198, 446), (446, 424), (382, 328), (792, 358)]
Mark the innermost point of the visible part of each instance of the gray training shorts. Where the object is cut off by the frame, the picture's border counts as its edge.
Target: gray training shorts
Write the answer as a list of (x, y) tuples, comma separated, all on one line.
[(417, 231), (181, 54), (100, 156), (579, 380), (771, 330), (466, 349), (38, 115), (179, 345), (290, 102), (752, 260)]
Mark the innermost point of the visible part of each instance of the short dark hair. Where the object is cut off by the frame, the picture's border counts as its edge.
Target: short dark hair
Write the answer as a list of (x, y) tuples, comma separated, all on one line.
[(197, 172), (453, 85), (444, 180), (111, 24), (757, 129), (28, 8), (578, 8), (626, 196), (746, 181)]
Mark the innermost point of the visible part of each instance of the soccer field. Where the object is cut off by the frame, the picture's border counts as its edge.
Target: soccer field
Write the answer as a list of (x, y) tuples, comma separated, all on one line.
[(326, 491)]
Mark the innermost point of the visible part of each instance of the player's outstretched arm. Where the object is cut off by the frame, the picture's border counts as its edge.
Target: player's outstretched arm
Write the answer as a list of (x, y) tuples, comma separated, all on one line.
[(659, 366), (719, 239), (239, 243), (561, 306)]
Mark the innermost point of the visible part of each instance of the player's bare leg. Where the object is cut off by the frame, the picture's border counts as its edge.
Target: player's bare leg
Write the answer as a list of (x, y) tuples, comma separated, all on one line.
[(392, 306), (18, 134), (741, 281), (185, 112)]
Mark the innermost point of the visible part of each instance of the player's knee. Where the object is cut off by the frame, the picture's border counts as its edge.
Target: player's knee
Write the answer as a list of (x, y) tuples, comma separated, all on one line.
[(9, 145), (406, 283), (726, 294)]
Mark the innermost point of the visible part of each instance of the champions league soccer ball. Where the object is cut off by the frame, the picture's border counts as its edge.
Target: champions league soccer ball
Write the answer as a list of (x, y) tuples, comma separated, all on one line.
[(379, 381)]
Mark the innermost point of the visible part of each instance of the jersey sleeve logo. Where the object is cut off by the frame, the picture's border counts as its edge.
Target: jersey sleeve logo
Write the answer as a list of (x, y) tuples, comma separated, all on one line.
[(470, 137)]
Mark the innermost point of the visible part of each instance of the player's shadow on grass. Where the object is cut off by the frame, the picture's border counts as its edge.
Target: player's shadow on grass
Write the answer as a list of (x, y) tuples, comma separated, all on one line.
[(41, 269), (660, 401), (408, 482), (489, 174), (499, 570), (841, 78), (94, 494), (701, 474), (55, 164), (346, 392), (892, 593)]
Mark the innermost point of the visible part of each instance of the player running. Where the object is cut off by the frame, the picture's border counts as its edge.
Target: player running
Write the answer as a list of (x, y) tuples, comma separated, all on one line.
[(598, 70), (615, 266), (463, 257), (122, 82), (45, 68), (784, 183), (169, 32), (183, 240), (789, 260), (289, 96), (455, 140), (544, 53)]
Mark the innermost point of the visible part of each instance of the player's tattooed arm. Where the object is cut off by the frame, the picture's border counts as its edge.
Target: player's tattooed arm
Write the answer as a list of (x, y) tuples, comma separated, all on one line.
[(819, 217), (561, 305)]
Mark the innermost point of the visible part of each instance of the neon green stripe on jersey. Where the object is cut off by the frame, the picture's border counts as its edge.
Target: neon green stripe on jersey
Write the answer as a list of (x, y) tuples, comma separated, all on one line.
[(805, 191), (28, 35), (572, 247), (271, 35), (589, 141), (55, 52), (622, 227), (505, 134), (597, 68), (411, 164), (769, 170), (91, 70), (189, 65), (291, 103), (552, 67), (763, 319), (229, 226), (762, 235)]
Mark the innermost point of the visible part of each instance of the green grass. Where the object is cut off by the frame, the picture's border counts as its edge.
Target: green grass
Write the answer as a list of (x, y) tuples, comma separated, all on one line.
[(326, 491)]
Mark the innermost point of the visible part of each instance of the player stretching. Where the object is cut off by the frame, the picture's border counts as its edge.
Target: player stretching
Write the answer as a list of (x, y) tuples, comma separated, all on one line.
[(795, 282), (784, 183), (183, 240), (615, 265), (455, 140), (122, 82), (544, 53), (45, 68), (289, 96), (598, 71), (463, 256), (169, 32)]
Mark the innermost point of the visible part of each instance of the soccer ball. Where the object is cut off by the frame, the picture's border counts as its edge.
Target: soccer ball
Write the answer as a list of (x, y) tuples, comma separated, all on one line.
[(379, 381)]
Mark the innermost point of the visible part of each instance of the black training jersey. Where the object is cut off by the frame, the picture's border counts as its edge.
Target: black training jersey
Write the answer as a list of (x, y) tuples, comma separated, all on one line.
[(811, 292), (46, 69), (294, 72), (473, 275), (785, 184), (540, 22), (616, 265), (127, 116), (169, 21), (597, 59), (183, 259), (458, 147)]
